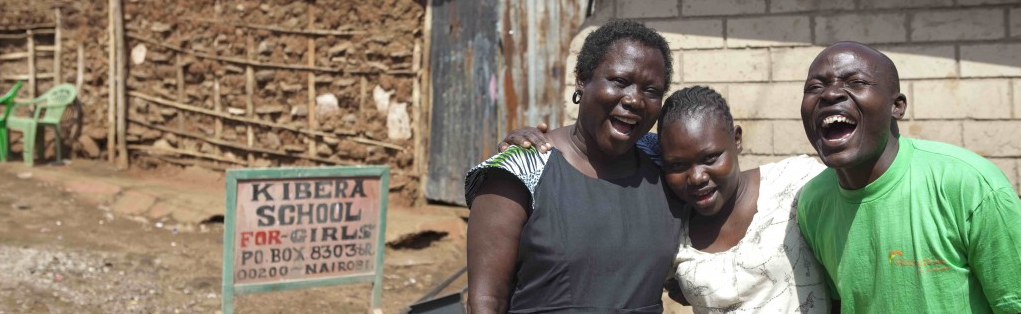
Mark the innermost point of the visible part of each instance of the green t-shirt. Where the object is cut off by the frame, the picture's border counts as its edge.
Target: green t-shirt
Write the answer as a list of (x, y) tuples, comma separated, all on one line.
[(939, 232)]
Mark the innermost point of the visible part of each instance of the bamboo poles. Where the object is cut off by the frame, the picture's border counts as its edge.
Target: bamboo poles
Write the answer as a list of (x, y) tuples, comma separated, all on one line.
[(248, 61), (423, 115), (241, 147), (249, 99), (25, 77), (28, 27), (31, 63), (39, 49), (251, 62), (80, 77), (111, 108), (186, 153), (416, 112), (56, 48), (276, 29), (219, 115), (122, 145), (311, 56), (218, 109), (178, 64)]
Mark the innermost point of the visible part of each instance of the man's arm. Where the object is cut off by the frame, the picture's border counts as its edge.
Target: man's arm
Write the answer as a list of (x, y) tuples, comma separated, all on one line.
[(527, 136), (994, 249)]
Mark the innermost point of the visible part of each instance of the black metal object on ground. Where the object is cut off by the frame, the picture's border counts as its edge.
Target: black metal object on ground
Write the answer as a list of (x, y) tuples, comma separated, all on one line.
[(449, 304), (441, 305)]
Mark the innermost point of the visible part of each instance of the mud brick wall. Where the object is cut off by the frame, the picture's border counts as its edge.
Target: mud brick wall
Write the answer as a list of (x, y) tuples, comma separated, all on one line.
[(959, 64), (176, 51), (77, 19)]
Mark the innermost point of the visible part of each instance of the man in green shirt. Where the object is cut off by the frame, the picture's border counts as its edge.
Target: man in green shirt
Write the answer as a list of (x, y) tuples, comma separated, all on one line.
[(901, 225)]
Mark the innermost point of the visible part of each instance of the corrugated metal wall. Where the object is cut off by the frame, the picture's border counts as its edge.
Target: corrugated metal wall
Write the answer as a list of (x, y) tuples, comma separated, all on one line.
[(496, 66), (536, 35), (466, 113)]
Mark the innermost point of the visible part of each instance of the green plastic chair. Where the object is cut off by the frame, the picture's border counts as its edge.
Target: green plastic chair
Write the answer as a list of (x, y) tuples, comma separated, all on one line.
[(7, 100), (49, 108)]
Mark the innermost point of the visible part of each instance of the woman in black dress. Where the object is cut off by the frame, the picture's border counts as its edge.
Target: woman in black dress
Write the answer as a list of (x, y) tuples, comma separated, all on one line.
[(588, 228)]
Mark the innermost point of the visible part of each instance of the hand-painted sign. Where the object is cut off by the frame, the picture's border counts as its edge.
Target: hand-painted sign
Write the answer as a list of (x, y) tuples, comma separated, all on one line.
[(303, 227)]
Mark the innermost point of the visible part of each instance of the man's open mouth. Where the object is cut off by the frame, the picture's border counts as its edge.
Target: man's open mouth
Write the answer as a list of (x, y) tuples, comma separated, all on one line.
[(837, 127)]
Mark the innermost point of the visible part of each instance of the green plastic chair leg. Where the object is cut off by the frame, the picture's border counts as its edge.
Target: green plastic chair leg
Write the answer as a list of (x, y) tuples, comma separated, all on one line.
[(28, 153), (3, 144), (40, 143), (60, 147)]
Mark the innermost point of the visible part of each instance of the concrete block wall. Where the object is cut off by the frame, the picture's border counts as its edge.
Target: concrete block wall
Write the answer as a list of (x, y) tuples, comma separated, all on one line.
[(959, 61)]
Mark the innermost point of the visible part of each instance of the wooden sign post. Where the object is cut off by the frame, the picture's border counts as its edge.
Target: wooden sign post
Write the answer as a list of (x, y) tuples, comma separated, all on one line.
[(296, 228)]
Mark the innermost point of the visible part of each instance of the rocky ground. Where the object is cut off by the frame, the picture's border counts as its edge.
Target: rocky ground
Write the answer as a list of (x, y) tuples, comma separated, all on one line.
[(70, 242)]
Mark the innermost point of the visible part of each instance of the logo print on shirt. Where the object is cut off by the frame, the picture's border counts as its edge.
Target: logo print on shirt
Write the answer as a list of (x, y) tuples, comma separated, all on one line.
[(925, 265), (895, 253)]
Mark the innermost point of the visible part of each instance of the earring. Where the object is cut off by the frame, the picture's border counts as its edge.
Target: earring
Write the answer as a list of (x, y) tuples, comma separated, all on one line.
[(577, 97)]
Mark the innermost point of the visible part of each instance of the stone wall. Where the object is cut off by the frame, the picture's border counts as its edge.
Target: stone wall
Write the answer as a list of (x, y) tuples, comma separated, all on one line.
[(959, 63)]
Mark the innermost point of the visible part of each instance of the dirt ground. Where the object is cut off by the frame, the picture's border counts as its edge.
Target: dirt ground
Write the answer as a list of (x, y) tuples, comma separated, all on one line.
[(63, 252)]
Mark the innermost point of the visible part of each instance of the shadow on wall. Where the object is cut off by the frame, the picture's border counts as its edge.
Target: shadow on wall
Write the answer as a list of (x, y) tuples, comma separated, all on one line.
[(983, 32)]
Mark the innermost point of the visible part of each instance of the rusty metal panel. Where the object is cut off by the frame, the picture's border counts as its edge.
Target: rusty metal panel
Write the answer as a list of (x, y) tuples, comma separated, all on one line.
[(466, 115), (496, 65), (536, 36)]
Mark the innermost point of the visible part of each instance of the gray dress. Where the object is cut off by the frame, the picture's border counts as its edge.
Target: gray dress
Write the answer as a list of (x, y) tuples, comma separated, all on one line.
[(589, 245)]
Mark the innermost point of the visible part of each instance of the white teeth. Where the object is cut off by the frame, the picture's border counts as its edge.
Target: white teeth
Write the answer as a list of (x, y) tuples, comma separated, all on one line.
[(837, 118), (626, 120)]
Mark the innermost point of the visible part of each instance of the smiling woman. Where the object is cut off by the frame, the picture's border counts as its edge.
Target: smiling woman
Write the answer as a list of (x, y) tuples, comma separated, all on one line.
[(588, 228), (740, 230)]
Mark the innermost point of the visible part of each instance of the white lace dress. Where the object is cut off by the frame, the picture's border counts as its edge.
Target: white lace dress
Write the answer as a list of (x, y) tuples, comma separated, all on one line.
[(772, 269)]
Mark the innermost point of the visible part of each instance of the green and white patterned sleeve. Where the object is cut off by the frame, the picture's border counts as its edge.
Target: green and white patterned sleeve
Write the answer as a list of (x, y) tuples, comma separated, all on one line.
[(525, 164)]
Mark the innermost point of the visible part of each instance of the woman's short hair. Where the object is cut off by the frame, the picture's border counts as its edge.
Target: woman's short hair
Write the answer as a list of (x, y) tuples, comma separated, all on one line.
[(599, 41), (696, 102)]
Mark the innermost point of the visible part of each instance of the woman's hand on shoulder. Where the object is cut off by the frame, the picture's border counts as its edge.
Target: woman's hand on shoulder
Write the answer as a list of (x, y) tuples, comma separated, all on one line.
[(526, 137)]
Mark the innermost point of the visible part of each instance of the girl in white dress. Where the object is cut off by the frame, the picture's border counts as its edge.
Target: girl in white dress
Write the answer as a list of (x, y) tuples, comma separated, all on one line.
[(741, 250)]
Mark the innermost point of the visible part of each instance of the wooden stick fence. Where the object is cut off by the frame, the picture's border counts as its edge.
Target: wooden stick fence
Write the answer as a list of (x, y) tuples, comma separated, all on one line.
[(311, 55), (275, 29), (56, 45), (206, 139), (250, 97), (121, 64), (254, 121), (31, 64), (111, 108), (250, 62), (33, 50), (117, 146), (49, 26), (248, 119)]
